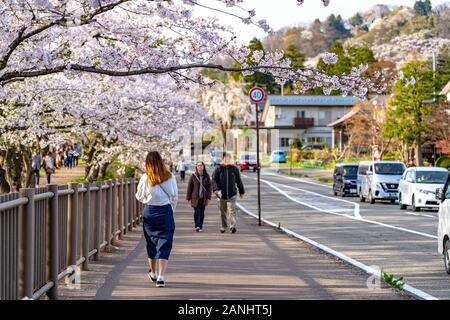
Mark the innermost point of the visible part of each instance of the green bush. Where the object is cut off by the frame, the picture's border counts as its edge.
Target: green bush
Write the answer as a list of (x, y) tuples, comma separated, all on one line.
[(443, 162), (130, 172)]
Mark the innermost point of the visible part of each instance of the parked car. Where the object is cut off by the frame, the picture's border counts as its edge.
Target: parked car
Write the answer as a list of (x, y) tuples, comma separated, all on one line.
[(312, 147), (418, 187), (344, 179), (443, 196), (247, 162), (379, 180), (278, 156)]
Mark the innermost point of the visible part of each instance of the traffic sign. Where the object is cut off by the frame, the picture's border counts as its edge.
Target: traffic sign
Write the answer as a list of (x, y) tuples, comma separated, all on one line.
[(257, 95)]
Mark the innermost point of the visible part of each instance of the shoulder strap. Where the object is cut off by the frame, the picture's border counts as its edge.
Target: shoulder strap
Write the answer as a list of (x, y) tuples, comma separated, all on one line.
[(165, 192), (195, 175)]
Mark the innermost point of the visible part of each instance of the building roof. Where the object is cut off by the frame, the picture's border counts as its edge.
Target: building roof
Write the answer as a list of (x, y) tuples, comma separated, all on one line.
[(446, 89), (341, 120), (298, 100)]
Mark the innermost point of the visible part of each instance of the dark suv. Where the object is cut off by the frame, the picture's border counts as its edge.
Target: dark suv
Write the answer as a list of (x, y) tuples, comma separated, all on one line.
[(344, 179)]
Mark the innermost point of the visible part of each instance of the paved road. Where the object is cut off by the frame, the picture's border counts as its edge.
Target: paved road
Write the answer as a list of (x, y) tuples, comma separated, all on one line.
[(400, 242), (255, 263)]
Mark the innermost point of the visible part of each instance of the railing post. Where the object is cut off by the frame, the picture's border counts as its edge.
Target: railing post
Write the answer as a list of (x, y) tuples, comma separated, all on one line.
[(86, 224), (108, 211), (121, 217), (54, 240), (29, 236), (97, 218), (125, 204), (135, 204), (73, 214), (114, 211), (130, 205)]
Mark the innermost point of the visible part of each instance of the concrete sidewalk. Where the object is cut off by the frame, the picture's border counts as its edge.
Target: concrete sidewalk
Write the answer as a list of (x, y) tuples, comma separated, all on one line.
[(254, 263)]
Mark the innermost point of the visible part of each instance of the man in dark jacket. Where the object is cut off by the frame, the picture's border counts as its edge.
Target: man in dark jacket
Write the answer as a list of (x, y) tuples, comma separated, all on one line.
[(225, 179)]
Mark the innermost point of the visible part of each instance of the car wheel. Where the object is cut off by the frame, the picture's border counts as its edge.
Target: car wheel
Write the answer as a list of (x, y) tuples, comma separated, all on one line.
[(361, 198), (447, 256), (413, 202), (401, 205), (371, 199)]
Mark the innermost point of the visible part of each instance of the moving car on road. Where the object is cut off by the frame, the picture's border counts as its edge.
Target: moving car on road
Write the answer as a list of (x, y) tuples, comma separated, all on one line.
[(344, 179), (443, 195), (418, 187), (278, 156), (379, 180), (247, 162)]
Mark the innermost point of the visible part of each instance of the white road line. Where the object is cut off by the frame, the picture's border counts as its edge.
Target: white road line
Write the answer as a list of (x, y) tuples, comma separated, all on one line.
[(298, 179), (343, 215), (328, 187), (356, 205), (415, 292)]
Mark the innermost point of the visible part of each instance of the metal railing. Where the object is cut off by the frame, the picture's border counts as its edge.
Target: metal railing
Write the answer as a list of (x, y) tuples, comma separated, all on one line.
[(45, 233)]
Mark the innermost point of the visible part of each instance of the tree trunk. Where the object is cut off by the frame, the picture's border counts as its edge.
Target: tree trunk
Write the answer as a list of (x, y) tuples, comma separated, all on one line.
[(103, 168), (17, 164), (418, 154)]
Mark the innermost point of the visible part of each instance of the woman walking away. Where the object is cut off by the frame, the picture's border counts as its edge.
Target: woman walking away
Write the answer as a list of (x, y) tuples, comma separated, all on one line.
[(36, 166), (199, 191), (157, 189), (49, 166), (182, 168)]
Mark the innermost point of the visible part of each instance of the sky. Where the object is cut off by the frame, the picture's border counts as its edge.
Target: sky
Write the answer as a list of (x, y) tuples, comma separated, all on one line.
[(282, 13)]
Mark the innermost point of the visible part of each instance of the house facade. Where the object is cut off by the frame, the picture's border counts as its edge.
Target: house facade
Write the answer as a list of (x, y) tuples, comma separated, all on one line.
[(303, 117)]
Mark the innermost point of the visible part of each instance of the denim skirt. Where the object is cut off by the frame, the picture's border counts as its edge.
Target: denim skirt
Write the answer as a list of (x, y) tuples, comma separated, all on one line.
[(159, 227)]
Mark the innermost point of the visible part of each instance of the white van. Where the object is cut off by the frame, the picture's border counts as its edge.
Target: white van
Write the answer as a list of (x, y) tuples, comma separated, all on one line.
[(443, 195), (378, 180)]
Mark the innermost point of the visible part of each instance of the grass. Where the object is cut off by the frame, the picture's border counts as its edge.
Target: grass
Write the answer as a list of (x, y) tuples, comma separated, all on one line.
[(325, 180), (391, 280), (299, 175)]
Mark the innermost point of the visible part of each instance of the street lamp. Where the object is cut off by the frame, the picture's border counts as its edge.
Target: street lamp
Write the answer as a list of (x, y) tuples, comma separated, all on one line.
[(291, 142)]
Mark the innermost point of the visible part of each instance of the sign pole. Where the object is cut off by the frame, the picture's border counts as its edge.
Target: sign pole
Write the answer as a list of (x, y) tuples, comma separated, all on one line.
[(258, 166), (257, 95)]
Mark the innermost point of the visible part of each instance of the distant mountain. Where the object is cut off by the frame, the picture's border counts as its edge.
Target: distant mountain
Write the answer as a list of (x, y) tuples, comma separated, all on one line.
[(393, 33)]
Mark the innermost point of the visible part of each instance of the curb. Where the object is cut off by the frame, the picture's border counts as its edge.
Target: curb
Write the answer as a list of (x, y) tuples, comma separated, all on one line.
[(416, 293)]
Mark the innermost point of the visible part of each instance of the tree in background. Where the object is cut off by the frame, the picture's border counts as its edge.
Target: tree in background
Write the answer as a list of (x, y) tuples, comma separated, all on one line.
[(260, 79), (406, 120), (297, 59), (423, 8), (357, 20), (442, 68), (348, 58)]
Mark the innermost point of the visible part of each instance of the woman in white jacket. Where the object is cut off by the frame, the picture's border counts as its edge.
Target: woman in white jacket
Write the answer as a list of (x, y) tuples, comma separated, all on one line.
[(157, 189)]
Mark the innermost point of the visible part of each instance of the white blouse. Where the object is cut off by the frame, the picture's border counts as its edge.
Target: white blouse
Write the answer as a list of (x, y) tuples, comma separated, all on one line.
[(155, 196)]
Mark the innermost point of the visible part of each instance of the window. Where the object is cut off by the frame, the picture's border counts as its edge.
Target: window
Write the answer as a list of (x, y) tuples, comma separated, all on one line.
[(390, 168), (326, 115), (284, 142), (363, 170), (300, 114), (431, 177)]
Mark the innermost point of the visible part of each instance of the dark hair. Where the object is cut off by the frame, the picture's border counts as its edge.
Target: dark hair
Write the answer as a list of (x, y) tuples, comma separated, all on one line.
[(204, 168), (49, 153)]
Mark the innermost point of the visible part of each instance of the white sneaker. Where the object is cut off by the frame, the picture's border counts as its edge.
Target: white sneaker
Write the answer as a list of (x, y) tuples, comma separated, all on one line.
[(160, 282)]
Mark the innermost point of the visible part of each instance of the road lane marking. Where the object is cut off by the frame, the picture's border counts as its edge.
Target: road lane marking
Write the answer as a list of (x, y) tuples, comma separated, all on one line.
[(330, 187), (345, 215), (410, 289), (356, 211), (298, 179)]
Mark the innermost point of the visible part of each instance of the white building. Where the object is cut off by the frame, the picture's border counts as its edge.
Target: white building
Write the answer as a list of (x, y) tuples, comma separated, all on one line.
[(303, 117)]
